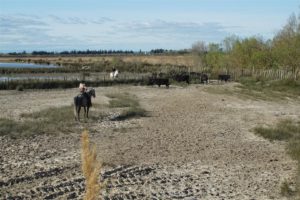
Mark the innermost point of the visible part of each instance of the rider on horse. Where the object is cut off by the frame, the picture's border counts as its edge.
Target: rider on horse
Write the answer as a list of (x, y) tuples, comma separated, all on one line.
[(83, 90)]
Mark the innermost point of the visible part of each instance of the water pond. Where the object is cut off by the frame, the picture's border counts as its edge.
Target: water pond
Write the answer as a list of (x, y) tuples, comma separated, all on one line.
[(25, 65)]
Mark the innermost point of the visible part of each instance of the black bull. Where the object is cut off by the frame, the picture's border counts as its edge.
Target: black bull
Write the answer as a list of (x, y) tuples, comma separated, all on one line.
[(224, 77), (182, 78), (158, 81)]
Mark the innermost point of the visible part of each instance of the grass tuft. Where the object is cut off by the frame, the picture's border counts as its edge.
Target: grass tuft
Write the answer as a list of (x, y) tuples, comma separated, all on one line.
[(132, 108), (122, 100), (286, 189), (90, 168), (284, 130)]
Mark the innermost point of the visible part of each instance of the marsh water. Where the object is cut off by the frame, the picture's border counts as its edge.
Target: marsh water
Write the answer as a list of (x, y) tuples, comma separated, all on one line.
[(25, 65), (27, 76)]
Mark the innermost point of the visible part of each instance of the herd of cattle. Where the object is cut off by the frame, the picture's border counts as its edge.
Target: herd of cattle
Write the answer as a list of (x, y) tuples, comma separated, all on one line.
[(163, 79)]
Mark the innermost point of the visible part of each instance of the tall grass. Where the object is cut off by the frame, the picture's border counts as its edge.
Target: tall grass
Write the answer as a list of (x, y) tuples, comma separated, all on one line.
[(90, 168), (289, 131)]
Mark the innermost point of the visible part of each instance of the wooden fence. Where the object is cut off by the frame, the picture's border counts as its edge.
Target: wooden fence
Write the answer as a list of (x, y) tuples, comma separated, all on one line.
[(268, 74)]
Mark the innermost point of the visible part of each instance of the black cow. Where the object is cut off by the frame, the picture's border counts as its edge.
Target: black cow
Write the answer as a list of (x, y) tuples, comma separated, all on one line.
[(224, 77), (158, 81), (203, 78), (182, 78)]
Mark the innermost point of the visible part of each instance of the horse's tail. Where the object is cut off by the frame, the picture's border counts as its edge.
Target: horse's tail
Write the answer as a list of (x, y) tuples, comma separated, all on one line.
[(76, 101)]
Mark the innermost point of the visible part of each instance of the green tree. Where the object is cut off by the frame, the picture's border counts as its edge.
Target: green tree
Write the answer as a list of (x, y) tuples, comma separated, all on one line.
[(214, 56), (286, 45)]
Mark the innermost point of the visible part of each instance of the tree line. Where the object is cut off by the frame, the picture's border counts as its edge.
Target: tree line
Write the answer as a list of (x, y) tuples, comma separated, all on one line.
[(280, 52), (102, 52)]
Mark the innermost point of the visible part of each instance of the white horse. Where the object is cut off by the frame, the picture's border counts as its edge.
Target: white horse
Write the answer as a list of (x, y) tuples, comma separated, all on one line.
[(114, 74)]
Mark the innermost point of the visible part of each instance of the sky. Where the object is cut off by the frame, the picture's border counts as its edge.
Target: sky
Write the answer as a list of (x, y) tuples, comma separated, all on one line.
[(58, 25)]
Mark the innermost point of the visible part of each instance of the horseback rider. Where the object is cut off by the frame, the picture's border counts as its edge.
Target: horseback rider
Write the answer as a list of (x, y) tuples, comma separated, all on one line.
[(83, 91), (82, 88)]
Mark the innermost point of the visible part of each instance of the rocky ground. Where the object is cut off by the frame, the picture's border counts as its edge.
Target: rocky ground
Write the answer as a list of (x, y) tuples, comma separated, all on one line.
[(193, 145)]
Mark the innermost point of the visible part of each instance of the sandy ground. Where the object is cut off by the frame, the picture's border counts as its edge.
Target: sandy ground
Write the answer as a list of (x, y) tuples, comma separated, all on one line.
[(193, 145)]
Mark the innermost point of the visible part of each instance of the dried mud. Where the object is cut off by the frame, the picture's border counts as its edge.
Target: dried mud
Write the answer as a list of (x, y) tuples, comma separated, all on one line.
[(193, 145)]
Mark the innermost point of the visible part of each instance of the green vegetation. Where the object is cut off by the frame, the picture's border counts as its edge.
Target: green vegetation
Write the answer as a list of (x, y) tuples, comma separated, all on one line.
[(289, 131), (252, 53), (129, 104)]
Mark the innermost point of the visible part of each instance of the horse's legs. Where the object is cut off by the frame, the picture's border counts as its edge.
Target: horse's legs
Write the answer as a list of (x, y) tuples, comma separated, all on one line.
[(75, 112), (78, 113), (87, 111), (84, 111)]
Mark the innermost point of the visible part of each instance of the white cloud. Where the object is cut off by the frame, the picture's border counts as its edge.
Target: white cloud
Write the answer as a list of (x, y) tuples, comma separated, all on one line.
[(53, 32)]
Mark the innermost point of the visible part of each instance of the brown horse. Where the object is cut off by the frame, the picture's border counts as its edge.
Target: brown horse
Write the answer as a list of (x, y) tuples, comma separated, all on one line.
[(83, 100)]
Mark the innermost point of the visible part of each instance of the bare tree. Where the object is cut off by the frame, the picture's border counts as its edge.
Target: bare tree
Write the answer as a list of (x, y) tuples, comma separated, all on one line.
[(199, 47)]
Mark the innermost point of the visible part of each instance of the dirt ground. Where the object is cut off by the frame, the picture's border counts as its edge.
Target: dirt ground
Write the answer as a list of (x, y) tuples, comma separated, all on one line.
[(193, 145)]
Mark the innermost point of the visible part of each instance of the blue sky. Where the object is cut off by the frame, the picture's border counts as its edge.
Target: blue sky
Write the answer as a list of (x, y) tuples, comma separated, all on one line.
[(135, 24)]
